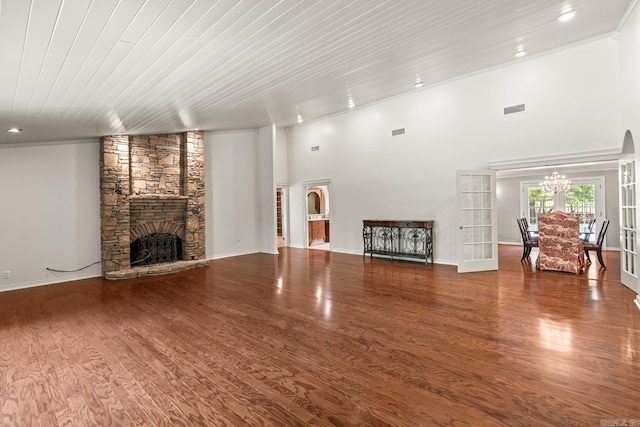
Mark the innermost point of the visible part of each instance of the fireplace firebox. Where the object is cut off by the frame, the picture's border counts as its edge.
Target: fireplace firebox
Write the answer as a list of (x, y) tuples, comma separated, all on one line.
[(156, 248)]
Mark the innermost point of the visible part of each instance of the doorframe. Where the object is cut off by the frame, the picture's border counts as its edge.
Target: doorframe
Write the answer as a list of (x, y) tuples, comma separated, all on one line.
[(305, 186), (600, 195), (285, 213)]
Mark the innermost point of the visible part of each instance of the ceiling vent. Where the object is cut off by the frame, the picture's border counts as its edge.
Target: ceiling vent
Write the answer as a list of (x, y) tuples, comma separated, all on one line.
[(397, 132), (514, 109), (315, 148)]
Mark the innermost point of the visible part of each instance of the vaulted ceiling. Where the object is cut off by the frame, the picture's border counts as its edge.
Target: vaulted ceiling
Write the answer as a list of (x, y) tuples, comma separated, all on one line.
[(76, 69)]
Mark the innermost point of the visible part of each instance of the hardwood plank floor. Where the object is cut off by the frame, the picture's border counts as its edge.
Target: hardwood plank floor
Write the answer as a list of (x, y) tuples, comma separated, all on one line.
[(318, 338)]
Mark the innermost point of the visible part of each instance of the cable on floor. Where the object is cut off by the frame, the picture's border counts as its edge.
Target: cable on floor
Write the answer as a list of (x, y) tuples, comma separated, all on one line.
[(71, 271)]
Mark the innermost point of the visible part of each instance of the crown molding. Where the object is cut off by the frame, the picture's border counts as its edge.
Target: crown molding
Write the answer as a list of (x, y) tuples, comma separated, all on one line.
[(557, 160)]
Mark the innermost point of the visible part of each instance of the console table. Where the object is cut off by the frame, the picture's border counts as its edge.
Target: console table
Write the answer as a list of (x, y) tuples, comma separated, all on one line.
[(400, 239)]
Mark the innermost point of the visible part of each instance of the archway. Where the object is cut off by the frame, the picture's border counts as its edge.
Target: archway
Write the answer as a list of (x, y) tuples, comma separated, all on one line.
[(628, 147)]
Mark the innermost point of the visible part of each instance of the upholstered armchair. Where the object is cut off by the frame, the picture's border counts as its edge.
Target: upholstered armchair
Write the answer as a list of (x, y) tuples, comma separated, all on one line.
[(560, 247)]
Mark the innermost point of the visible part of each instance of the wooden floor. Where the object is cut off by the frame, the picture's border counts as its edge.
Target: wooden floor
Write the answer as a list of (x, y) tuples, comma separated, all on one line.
[(319, 338)]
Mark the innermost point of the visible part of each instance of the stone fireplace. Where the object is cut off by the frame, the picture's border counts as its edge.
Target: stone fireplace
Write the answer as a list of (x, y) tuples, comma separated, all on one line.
[(152, 202)]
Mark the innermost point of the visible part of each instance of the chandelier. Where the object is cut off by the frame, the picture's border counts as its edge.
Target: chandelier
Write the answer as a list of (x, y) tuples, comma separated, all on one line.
[(555, 183)]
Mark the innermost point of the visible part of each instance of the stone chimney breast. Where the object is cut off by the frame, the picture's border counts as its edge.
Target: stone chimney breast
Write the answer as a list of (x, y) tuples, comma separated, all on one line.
[(151, 184)]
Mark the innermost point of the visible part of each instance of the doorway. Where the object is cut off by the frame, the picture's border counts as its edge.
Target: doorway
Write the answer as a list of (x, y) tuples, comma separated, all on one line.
[(585, 199), (318, 215), (282, 216)]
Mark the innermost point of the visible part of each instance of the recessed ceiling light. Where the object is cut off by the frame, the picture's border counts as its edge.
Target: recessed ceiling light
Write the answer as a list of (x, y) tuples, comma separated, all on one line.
[(351, 104), (418, 83), (521, 53), (299, 118), (567, 16), (14, 130)]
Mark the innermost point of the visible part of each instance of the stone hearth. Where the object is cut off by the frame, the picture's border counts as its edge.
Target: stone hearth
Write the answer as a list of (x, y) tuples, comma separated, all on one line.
[(151, 184)]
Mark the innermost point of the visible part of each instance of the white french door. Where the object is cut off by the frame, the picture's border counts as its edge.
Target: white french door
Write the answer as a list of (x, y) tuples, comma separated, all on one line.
[(535, 202), (628, 226), (477, 221)]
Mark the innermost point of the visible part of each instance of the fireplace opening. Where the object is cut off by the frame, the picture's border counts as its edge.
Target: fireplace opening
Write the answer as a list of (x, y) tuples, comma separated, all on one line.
[(156, 248)]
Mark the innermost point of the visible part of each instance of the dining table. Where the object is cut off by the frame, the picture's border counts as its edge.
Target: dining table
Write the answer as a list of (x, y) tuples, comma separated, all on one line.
[(584, 230)]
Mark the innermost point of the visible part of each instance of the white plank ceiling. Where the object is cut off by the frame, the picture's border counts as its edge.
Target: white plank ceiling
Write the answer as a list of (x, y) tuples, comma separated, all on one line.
[(76, 69)]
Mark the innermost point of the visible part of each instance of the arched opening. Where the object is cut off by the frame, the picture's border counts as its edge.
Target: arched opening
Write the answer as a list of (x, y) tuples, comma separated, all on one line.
[(628, 146), (313, 201)]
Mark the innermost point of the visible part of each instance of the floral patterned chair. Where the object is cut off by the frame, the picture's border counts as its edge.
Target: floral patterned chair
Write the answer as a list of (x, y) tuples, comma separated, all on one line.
[(560, 246)]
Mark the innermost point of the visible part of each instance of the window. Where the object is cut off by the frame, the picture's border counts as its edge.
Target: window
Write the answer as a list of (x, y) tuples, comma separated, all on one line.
[(585, 199), (538, 203)]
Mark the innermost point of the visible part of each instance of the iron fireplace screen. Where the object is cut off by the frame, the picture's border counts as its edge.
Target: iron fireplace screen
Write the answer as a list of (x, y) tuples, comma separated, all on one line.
[(156, 248)]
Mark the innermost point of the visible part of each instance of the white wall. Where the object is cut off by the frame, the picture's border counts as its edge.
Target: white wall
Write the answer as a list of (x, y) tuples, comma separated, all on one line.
[(231, 193), (50, 213), (266, 152), (572, 100), (280, 164), (630, 75)]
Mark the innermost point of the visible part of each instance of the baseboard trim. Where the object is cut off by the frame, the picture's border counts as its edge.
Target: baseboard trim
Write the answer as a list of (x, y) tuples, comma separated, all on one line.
[(25, 285), (232, 254)]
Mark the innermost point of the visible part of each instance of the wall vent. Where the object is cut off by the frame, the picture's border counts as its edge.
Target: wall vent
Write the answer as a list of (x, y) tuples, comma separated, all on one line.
[(315, 148), (397, 132), (514, 109)]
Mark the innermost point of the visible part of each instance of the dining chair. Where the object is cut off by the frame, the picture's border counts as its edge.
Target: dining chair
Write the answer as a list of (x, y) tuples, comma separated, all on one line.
[(597, 246), (528, 241), (532, 234), (589, 230)]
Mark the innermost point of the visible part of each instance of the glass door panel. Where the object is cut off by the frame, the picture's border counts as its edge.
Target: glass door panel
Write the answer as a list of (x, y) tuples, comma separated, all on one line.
[(477, 242), (538, 202), (580, 200), (628, 228)]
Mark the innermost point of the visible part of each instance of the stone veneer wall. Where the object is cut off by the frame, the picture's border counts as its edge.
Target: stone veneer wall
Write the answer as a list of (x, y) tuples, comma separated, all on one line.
[(193, 185), (157, 215), (156, 163), (151, 182)]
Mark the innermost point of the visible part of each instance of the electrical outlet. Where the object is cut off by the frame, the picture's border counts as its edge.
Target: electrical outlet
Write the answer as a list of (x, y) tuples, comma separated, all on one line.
[(6, 274)]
